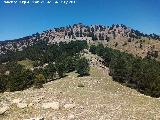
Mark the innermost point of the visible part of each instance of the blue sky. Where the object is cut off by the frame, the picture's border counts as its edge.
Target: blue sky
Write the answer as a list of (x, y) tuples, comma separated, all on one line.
[(17, 20)]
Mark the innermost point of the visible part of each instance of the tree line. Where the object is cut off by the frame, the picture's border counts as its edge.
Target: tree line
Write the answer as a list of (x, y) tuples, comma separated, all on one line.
[(135, 72), (50, 62)]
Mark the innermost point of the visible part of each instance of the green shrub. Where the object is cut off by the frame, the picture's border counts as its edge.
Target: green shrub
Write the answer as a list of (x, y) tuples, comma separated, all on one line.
[(3, 83), (50, 71), (60, 67), (39, 81), (82, 67), (92, 49), (20, 81)]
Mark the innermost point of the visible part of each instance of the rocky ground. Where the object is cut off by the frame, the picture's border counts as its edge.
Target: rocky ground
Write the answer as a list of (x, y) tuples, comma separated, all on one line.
[(95, 97)]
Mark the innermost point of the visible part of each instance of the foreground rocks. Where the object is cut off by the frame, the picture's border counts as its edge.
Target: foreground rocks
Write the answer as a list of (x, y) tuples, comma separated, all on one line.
[(3, 109), (99, 99)]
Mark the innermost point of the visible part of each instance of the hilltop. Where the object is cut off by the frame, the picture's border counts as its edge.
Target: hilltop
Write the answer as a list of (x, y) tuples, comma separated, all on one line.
[(117, 36)]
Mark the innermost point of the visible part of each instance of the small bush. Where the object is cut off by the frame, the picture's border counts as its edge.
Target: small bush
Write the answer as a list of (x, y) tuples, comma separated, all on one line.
[(39, 81), (3, 83), (83, 67), (92, 49), (60, 67)]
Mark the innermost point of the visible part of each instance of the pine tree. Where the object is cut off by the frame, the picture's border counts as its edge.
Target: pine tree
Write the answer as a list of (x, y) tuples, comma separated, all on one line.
[(83, 67)]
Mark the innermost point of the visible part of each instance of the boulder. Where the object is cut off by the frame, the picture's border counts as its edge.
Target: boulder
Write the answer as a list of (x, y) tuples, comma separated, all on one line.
[(3, 109)]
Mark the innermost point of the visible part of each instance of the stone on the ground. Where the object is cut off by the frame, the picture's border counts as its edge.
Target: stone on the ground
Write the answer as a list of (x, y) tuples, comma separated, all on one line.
[(71, 117), (53, 105), (3, 110), (31, 104), (22, 105), (38, 118), (18, 100), (69, 106)]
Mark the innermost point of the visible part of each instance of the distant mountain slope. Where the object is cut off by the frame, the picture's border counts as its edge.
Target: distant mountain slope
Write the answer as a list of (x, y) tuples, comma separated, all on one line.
[(118, 37)]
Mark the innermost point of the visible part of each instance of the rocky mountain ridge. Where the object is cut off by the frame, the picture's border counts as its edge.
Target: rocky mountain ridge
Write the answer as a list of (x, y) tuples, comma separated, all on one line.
[(76, 32), (117, 36)]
